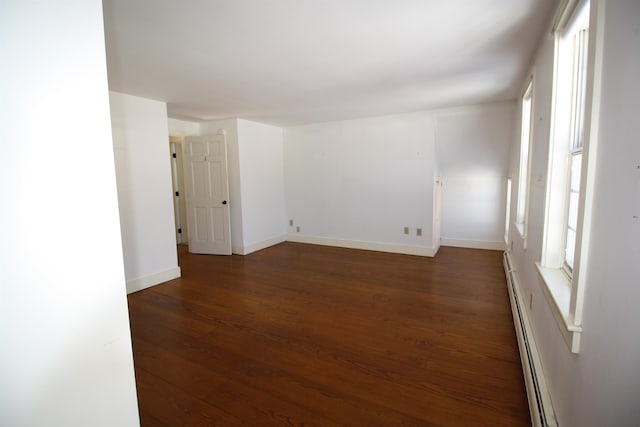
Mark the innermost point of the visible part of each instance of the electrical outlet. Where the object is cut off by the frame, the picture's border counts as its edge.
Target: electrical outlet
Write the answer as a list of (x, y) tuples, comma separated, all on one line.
[(297, 229), (418, 232), (406, 230), (290, 222)]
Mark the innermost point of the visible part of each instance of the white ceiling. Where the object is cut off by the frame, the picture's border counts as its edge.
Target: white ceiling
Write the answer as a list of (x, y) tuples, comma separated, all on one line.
[(299, 61)]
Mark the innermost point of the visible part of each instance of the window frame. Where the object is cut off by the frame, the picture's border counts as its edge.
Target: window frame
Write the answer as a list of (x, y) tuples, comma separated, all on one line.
[(565, 294)]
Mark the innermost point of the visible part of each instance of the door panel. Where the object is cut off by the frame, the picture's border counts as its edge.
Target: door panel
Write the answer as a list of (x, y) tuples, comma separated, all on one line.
[(207, 195)]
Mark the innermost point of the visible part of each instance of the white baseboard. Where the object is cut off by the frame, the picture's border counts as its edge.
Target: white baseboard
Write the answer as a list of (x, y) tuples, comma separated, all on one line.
[(246, 250), (540, 405), (360, 244), (474, 244), (145, 282)]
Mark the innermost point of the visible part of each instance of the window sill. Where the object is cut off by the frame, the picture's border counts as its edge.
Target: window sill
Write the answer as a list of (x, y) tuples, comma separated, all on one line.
[(557, 290)]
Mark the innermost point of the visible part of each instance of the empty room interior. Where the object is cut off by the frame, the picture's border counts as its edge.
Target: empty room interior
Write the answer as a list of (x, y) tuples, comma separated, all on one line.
[(322, 213)]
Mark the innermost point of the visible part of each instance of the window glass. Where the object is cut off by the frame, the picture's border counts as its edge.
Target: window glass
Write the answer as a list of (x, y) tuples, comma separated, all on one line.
[(525, 138)]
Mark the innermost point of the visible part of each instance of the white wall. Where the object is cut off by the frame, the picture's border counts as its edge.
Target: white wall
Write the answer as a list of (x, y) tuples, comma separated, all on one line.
[(358, 183), (262, 185), (600, 385), (230, 126), (365, 180), (65, 357), (179, 127), (143, 171), (472, 151)]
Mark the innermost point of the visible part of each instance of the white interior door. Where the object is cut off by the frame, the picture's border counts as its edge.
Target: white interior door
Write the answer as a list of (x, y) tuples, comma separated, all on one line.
[(207, 188)]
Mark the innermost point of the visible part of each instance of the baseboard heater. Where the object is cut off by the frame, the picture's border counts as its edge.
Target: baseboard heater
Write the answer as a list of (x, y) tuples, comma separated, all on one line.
[(542, 414)]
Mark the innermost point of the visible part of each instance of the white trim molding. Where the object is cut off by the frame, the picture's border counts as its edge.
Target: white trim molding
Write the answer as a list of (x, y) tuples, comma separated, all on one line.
[(557, 290), (473, 244), (254, 247), (360, 244), (145, 282)]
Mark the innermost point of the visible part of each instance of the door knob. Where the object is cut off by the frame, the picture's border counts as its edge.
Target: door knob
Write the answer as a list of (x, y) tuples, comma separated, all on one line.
[(224, 202)]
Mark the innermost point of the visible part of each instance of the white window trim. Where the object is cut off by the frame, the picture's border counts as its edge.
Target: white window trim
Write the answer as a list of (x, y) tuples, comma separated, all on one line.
[(565, 295), (557, 290)]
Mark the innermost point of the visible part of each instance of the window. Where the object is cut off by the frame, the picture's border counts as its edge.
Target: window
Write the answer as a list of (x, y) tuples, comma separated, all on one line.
[(523, 175), (571, 223), (568, 188), (578, 40), (508, 212)]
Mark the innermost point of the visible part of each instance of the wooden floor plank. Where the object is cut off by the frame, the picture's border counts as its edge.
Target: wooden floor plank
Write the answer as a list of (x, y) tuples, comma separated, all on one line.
[(309, 335)]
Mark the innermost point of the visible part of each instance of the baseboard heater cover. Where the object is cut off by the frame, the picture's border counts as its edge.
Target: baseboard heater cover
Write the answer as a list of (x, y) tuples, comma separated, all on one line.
[(540, 407)]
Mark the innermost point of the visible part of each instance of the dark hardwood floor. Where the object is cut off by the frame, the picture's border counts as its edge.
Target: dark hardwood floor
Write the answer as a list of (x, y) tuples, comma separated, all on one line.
[(317, 336)]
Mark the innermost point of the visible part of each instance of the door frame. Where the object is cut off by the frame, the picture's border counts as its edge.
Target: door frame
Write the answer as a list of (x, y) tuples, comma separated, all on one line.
[(179, 194)]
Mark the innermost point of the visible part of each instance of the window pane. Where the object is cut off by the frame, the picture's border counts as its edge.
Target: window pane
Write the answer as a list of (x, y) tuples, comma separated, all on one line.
[(576, 165), (570, 249), (572, 208), (523, 177), (572, 219), (508, 212), (579, 87)]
